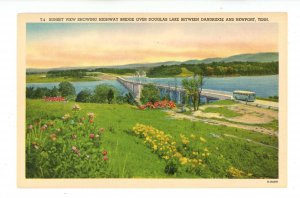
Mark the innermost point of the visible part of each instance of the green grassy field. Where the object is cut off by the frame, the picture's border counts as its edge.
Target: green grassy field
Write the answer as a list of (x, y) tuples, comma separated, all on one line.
[(185, 72), (41, 78), (129, 157)]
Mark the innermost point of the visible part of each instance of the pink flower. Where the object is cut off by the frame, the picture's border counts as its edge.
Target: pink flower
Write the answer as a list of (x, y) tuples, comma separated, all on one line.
[(105, 158), (104, 153), (92, 136)]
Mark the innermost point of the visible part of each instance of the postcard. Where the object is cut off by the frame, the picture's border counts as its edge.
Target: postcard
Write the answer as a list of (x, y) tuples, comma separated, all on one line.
[(152, 100)]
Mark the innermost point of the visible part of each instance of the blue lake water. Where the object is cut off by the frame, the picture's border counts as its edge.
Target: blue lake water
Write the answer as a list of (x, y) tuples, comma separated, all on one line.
[(264, 86)]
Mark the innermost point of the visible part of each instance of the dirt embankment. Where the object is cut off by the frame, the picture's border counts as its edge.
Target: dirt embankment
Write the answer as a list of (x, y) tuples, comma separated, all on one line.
[(249, 117)]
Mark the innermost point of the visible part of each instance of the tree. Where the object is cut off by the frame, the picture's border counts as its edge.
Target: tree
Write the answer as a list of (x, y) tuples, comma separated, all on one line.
[(84, 96), (110, 96), (193, 88), (30, 92), (150, 94), (101, 94), (54, 92), (66, 89)]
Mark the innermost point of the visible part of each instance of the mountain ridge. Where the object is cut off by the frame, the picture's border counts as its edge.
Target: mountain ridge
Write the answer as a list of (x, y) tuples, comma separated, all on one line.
[(246, 57)]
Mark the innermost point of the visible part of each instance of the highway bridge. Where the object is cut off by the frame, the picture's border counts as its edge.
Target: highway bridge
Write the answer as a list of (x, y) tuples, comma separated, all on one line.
[(176, 94)]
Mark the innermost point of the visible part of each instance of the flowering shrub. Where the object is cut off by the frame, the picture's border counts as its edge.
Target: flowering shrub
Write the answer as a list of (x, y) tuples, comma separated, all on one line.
[(164, 104), (54, 99), (168, 149), (189, 154), (70, 146)]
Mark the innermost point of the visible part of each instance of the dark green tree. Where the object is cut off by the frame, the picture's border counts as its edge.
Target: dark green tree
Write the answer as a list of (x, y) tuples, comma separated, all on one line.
[(193, 88), (84, 96), (66, 89), (100, 94), (54, 92), (110, 96), (150, 94)]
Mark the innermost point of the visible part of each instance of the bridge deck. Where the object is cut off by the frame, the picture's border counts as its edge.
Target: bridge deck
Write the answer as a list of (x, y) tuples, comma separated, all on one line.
[(223, 95)]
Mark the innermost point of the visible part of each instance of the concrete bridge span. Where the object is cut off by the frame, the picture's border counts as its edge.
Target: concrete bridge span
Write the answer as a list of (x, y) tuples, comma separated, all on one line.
[(176, 94)]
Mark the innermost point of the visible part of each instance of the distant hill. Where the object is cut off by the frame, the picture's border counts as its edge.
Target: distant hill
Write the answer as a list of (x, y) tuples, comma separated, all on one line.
[(257, 57)]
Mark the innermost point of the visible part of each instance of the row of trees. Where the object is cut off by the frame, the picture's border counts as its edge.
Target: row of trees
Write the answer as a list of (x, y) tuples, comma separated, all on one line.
[(64, 89), (218, 69), (115, 70), (101, 94), (104, 94), (75, 73)]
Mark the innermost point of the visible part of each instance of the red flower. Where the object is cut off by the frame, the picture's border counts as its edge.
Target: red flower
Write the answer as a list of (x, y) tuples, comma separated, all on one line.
[(104, 153), (91, 121), (105, 158), (92, 136)]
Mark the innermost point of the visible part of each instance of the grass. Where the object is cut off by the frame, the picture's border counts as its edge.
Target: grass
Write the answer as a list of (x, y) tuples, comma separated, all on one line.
[(224, 111), (272, 99), (273, 125), (185, 72), (41, 78), (223, 102), (130, 158)]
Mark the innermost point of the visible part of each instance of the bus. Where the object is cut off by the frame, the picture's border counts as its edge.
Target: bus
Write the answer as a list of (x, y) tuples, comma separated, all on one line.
[(247, 96)]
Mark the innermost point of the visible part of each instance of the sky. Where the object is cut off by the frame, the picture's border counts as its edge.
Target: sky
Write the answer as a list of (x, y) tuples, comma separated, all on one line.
[(54, 45)]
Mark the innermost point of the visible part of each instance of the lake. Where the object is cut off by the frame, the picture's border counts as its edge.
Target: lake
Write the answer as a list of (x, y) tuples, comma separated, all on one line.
[(264, 86)]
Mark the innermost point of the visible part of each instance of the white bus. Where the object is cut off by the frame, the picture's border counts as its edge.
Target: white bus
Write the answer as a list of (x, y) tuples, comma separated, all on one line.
[(248, 96)]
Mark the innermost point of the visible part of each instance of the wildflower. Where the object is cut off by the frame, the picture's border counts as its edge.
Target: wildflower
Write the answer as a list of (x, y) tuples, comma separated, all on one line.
[(35, 145), (74, 136), (44, 127), (91, 116), (166, 157), (193, 136), (183, 160), (202, 139), (53, 136), (234, 172), (66, 117), (30, 127), (104, 153), (76, 107), (97, 136), (105, 158), (92, 136), (75, 150), (82, 119), (50, 123), (184, 139), (101, 130), (91, 121), (58, 130)]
